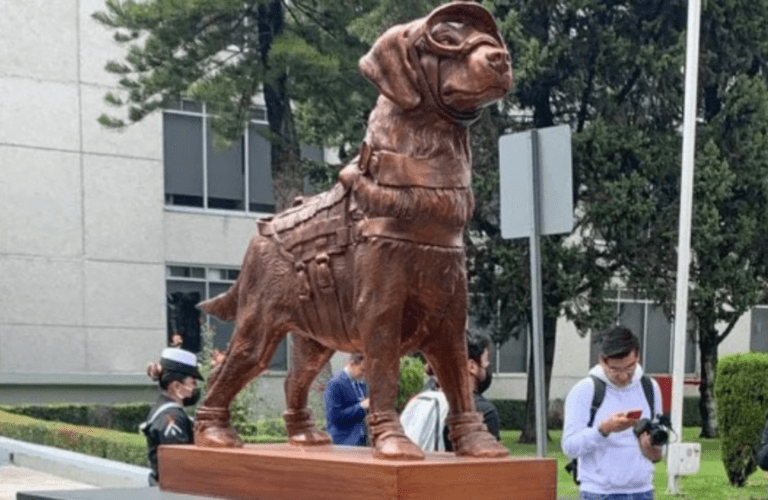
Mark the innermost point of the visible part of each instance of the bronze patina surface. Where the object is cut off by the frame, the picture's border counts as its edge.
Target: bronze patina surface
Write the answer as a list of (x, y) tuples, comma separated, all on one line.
[(376, 265)]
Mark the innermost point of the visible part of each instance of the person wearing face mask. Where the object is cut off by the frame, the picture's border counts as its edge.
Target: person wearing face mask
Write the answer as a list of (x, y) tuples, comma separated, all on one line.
[(479, 364), (613, 463), (167, 421)]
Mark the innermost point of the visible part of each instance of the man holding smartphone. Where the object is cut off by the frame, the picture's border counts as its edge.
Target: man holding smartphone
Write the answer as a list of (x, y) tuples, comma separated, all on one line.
[(613, 464)]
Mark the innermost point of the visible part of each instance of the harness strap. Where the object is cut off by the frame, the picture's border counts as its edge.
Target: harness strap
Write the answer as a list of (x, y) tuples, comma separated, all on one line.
[(424, 234), (599, 395), (597, 398), (397, 170)]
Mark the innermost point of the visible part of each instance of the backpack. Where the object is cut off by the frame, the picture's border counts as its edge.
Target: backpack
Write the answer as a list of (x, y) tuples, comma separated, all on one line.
[(572, 467), (423, 420)]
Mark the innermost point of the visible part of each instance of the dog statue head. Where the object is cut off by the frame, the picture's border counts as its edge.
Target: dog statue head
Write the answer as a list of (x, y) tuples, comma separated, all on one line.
[(452, 60)]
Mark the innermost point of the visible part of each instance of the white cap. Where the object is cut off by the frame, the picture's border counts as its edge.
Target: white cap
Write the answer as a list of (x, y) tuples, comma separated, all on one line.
[(175, 359)]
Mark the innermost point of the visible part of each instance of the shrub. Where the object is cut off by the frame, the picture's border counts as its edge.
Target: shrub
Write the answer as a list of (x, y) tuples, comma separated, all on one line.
[(130, 448), (741, 388), (411, 380), (124, 417)]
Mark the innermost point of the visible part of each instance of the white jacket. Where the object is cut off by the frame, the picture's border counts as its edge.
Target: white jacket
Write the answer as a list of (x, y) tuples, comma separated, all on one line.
[(612, 464)]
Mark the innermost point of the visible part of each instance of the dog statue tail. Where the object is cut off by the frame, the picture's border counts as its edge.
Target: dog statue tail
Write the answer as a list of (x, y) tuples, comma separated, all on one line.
[(223, 306)]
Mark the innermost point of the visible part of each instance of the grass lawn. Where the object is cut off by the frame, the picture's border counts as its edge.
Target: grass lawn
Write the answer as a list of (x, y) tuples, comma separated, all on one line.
[(710, 483)]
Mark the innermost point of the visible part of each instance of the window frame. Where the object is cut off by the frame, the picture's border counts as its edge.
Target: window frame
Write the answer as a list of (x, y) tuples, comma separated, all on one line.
[(625, 296), (207, 280), (258, 119)]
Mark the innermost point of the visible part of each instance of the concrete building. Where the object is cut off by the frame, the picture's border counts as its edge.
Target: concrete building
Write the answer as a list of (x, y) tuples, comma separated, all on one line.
[(108, 236)]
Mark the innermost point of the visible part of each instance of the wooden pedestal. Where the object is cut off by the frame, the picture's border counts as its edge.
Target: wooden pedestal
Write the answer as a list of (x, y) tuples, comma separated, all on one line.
[(285, 472)]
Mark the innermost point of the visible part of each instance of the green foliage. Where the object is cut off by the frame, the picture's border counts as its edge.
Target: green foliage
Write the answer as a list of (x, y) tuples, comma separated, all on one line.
[(243, 406), (411, 380), (742, 400), (125, 447), (124, 417), (511, 413)]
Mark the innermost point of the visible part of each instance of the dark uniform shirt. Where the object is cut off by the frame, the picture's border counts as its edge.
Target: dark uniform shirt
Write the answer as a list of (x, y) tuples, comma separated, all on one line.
[(170, 425)]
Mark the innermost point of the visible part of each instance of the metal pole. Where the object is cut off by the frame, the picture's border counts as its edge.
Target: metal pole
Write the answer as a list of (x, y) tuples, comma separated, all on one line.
[(684, 236), (536, 303)]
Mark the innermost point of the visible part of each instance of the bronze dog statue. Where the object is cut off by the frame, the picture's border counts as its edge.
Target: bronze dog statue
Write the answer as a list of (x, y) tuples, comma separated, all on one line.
[(376, 265)]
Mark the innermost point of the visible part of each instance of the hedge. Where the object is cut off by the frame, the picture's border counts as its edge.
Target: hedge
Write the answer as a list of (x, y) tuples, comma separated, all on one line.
[(741, 394), (125, 417), (130, 448), (126, 447), (512, 413)]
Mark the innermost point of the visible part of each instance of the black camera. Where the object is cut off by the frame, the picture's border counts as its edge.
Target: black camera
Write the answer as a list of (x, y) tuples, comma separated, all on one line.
[(656, 428)]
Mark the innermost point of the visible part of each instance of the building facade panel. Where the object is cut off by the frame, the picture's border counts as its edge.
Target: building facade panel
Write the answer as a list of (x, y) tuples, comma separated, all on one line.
[(40, 291), (739, 338), (120, 294), (97, 46), (206, 238), (38, 39), (138, 140), (42, 349), (122, 350), (40, 202), (43, 114), (123, 197)]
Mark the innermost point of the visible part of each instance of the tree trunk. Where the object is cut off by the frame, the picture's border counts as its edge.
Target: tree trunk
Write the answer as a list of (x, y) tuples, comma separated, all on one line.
[(708, 352), (529, 424), (286, 154)]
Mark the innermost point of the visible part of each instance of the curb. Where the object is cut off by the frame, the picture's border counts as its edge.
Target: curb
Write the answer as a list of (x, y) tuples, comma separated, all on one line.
[(70, 465)]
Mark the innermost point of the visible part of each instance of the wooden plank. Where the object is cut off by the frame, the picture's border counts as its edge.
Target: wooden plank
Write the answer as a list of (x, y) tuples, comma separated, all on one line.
[(285, 472)]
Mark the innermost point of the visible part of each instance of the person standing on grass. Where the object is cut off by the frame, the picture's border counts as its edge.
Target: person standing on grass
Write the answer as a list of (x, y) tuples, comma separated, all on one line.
[(613, 464)]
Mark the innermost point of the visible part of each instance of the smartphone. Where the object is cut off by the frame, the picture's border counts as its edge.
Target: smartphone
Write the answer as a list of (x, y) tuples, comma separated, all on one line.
[(635, 414)]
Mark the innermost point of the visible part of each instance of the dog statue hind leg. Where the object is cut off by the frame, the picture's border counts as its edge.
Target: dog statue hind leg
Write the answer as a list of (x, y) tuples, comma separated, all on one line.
[(308, 359)]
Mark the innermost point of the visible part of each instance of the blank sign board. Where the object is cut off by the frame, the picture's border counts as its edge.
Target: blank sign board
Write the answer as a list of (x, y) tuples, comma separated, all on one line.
[(516, 182)]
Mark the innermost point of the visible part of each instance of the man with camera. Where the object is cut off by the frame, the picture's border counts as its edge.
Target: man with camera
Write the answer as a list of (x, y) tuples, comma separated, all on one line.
[(611, 423)]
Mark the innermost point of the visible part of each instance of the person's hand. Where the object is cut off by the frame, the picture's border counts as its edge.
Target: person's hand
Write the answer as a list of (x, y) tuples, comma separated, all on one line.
[(616, 423), (364, 404), (650, 451)]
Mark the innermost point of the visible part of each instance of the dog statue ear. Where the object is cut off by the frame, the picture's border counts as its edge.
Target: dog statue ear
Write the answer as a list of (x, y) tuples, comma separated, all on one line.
[(389, 66)]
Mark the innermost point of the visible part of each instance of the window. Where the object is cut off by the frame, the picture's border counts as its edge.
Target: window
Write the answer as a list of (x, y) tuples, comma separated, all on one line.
[(759, 330), (654, 330), (186, 286), (511, 356), (199, 174)]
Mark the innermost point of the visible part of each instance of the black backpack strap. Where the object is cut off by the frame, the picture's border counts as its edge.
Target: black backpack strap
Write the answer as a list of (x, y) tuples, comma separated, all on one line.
[(597, 398), (645, 380)]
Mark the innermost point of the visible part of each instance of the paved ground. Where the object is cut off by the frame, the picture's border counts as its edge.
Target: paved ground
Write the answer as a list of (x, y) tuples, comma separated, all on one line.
[(14, 479)]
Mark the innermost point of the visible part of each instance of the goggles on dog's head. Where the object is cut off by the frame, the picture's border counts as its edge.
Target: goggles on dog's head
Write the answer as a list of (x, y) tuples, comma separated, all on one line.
[(455, 29)]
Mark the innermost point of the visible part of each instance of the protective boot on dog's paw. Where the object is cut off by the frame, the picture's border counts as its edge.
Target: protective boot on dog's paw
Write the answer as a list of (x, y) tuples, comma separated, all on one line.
[(301, 429), (212, 429), (397, 448), (389, 439), (470, 437)]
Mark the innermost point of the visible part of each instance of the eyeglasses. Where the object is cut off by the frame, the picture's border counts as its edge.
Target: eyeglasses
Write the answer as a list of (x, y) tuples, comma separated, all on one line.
[(629, 370)]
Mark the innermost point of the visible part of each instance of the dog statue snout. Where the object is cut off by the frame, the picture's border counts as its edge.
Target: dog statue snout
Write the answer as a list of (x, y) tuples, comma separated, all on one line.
[(498, 59)]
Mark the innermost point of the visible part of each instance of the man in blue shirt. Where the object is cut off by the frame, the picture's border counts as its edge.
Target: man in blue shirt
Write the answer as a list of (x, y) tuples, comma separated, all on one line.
[(346, 404)]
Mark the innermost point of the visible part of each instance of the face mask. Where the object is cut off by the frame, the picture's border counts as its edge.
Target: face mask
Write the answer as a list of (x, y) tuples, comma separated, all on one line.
[(193, 398), (484, 384)]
